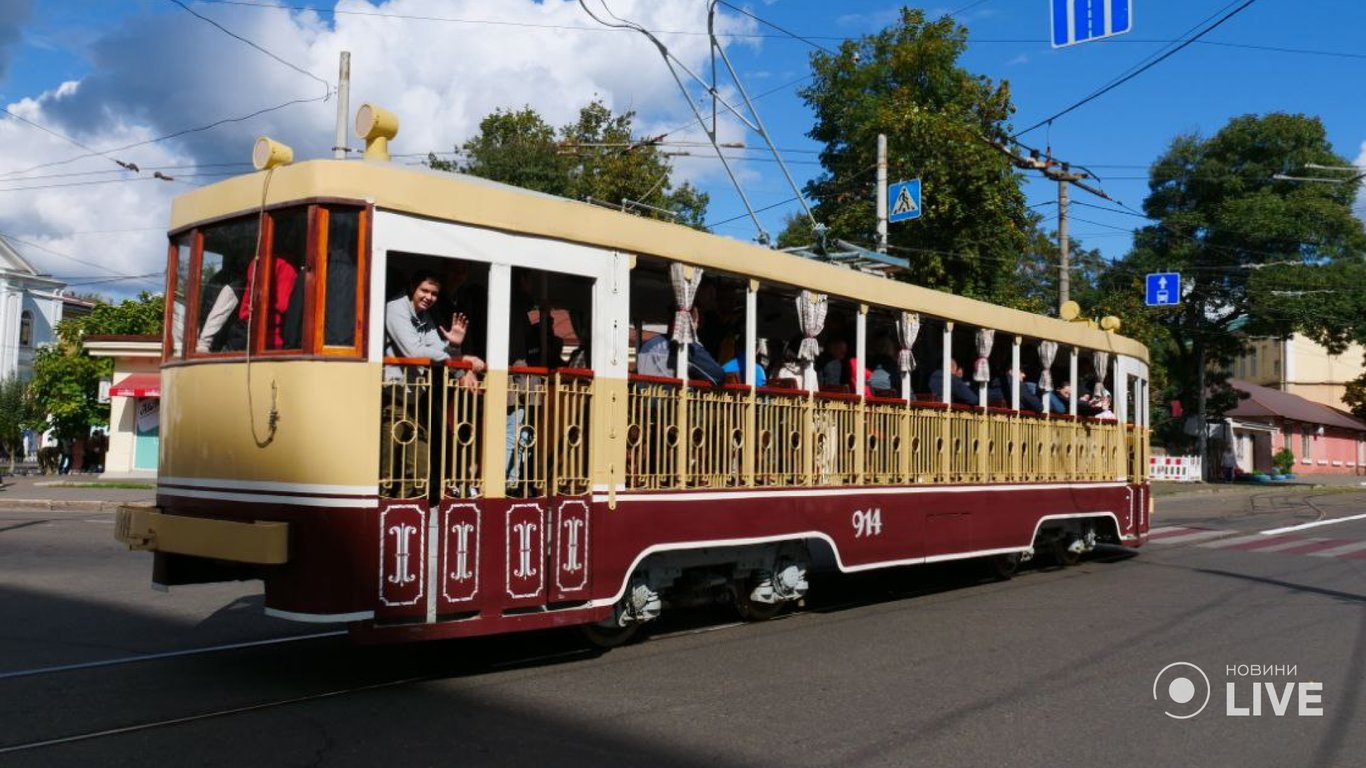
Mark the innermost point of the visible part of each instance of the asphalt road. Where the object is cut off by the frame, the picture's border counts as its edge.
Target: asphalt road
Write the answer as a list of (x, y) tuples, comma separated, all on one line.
[(931, 666)]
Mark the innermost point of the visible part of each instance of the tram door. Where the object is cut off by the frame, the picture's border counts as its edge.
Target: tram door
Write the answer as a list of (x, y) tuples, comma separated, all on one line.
[(548, 465)]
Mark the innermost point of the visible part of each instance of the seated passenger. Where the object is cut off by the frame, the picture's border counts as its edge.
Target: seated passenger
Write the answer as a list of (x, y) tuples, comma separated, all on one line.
[(960, 390), (835, 371), (410, 331), (733, 366), (999, 389), (659, 357)]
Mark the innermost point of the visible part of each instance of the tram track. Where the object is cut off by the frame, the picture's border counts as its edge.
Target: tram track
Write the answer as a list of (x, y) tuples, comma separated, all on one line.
[(478, 657)]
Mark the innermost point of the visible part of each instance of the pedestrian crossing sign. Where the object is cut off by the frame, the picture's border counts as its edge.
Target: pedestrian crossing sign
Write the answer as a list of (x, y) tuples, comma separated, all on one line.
[(903, 200)]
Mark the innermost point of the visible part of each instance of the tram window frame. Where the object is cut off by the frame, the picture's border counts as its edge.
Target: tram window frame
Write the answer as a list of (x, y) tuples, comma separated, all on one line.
[(322, 258), (173, 348), (184, 272)]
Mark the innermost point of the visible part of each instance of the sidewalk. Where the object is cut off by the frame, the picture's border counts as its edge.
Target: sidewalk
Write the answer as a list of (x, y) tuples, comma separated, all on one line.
[(1163, 489), (74, 492)]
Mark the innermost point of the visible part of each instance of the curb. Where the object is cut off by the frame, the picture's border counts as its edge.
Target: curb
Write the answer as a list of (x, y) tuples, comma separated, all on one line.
[(68, 505)]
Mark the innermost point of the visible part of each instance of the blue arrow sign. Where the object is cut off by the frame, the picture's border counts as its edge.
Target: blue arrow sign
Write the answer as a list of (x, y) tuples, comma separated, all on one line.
[(903, 200), (1164, 289), (1079, 21)]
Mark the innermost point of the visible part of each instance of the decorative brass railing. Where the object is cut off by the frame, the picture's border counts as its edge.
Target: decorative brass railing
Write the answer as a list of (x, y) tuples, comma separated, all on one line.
[(405, 414), (461, 440), (439, 441), (810, 439), (570, 414)]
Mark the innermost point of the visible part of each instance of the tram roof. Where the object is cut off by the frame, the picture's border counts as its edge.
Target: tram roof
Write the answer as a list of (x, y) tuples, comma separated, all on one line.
[(483, 203)]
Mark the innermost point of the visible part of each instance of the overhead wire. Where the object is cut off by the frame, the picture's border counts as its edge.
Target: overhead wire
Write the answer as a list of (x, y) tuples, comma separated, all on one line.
[(327, 87), (1140, 70)]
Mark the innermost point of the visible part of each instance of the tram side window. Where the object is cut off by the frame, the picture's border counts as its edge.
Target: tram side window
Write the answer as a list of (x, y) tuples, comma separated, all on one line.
[(228, 249), (182, 250), (342, 269), (285, 288)]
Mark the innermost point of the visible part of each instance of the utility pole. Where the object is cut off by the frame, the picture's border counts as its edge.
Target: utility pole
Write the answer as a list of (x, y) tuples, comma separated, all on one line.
[(343, 104), (1063, 174), (882, 193)]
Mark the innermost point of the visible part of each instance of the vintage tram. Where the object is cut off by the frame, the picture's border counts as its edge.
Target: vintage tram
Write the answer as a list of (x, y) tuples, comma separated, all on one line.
[(541, 476)]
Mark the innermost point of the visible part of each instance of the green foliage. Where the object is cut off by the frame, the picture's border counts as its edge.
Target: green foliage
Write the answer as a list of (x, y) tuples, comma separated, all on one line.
[(64, 390), (1355, 396), (14, 417), (1258, 256), (905, 82), (596, 156), (1284, 461)]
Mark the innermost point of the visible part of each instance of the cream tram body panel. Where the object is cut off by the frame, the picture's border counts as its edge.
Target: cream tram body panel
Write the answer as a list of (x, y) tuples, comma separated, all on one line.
[(217, 436)]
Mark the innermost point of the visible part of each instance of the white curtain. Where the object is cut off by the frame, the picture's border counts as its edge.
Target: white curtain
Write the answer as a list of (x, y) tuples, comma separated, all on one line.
[(1101, 362), (811, 309), (685, 290), (981, 372), (1047, 351), (907, 329)]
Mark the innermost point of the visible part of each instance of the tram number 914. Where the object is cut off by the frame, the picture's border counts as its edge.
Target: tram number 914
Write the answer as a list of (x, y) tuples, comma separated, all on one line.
[(867, 523)]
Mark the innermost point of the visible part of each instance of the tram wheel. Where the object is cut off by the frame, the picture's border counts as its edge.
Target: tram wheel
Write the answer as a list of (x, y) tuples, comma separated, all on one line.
[(753, 610), (1005, 566), (1064, 555), (605, 637)]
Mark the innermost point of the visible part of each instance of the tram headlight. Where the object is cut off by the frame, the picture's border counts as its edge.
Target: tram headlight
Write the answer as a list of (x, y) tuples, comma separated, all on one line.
[(269, 153), (377, 126)]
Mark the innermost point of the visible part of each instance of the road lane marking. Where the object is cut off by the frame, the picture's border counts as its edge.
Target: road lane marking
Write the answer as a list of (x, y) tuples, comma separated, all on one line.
[(1314, 524), (1233, 541), (1345, 549), (1196, 534)]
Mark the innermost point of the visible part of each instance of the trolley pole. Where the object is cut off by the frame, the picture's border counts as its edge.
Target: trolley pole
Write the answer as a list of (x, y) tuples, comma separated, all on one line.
[(343, 104), (1064, 245), (882, 193)]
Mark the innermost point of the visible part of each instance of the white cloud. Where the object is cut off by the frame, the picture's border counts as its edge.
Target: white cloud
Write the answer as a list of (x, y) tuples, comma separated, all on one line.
[(159, 73)]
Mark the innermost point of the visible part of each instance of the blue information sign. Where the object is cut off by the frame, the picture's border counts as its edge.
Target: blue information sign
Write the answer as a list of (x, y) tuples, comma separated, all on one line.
[(903, 200), (1164, 289), (1078, 21)]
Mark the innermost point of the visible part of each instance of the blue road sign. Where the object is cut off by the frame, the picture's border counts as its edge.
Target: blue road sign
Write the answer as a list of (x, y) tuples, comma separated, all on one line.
[(1078, 21), (1164, 289), (903, 200)]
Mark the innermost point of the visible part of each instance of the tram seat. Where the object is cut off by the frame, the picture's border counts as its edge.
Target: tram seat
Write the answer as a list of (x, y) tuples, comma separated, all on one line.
[(836, 389), (785, 383), (732, 378)]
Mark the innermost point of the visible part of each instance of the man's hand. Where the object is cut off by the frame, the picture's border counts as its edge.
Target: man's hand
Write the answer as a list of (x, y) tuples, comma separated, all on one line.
[(455, 335)]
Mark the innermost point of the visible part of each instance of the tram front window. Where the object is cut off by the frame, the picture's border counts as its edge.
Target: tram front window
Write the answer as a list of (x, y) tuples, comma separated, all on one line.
[(228, 249)]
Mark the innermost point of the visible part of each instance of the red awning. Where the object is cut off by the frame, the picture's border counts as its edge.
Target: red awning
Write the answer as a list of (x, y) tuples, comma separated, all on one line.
[(137, 385)]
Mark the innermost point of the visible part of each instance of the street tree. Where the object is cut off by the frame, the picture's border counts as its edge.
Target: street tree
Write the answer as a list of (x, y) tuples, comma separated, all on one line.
[(1258, 256), (14, 418), (597, 156), (64, 390), (905, 82)]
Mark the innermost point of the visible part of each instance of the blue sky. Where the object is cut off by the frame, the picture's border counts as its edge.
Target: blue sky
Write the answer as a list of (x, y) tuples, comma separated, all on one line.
[(138, 69)]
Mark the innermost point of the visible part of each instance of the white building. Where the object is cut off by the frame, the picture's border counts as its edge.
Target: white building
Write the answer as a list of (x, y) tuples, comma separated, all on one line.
[(30, 307)]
